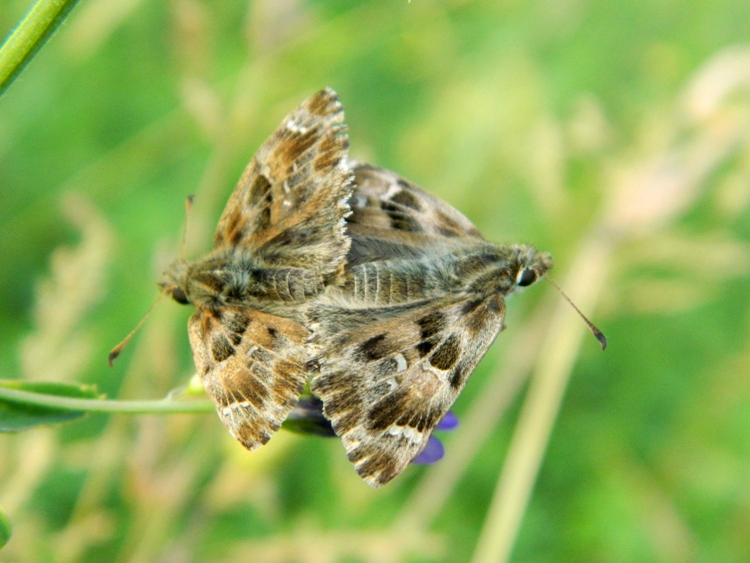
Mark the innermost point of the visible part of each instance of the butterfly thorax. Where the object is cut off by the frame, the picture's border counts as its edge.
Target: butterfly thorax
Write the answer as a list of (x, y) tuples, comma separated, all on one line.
[(229, 278)]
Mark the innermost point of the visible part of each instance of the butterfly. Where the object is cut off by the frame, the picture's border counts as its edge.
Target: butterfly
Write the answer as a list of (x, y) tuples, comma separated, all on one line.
[(419, 300), (279, 241)]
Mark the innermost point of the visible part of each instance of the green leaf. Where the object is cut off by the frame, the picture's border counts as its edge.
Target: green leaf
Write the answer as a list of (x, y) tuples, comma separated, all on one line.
[(5, 529), (17, 415)]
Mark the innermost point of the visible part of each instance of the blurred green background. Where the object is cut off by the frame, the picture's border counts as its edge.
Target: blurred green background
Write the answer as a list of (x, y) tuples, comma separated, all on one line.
[(616, 135)]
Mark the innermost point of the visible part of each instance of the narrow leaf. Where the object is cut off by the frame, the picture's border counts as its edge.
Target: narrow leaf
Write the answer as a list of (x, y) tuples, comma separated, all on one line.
[(5, 529)]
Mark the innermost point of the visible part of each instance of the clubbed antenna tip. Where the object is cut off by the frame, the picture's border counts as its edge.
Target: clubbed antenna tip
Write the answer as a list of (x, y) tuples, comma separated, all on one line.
[(114, 353), (599, 336), (595, 331)]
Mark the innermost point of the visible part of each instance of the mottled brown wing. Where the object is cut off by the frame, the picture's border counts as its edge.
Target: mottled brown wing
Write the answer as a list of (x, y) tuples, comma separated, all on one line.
[(388, 207), (290, 204), (252, 365), (389, 375)]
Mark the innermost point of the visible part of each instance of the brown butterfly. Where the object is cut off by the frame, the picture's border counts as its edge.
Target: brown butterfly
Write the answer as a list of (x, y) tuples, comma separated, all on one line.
[(280, 239), (417, 305)]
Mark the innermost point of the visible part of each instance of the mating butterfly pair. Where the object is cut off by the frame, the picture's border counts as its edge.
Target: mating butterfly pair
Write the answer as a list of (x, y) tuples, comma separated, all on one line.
[(333, 269)]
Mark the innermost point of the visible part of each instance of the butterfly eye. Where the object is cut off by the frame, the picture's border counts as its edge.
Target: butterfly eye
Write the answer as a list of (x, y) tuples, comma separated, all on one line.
[(525, 277), (179, 295)]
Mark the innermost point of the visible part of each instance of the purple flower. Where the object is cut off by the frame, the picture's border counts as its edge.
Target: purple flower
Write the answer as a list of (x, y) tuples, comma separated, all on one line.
[(449, 422), (434, 450)]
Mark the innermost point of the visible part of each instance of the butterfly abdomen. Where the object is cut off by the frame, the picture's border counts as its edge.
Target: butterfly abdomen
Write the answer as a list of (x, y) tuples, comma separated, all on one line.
[(398, 281)]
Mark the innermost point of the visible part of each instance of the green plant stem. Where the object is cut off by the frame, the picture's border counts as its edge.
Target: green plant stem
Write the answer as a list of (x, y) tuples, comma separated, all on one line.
[(164, 406), (31, 34)]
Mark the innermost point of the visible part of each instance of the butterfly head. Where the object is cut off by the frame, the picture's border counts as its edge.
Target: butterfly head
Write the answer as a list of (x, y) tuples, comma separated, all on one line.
[(175, 281), (529, 265)]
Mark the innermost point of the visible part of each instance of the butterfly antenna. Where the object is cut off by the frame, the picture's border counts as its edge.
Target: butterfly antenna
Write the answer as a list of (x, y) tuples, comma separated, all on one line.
[(188, 213), (595, 331), (117, 350)]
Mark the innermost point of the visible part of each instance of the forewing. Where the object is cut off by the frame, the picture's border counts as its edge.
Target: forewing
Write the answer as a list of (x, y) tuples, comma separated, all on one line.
[(389, 375), (388, 207), (252, 365), (290, 204)]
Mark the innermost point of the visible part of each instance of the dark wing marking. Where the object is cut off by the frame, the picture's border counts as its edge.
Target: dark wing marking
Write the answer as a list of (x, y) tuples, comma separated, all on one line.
[(252, 365), (389, 375), (291, 201)]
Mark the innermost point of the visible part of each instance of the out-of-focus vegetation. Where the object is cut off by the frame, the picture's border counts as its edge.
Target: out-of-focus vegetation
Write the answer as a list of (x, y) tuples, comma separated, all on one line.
[(616, 135)]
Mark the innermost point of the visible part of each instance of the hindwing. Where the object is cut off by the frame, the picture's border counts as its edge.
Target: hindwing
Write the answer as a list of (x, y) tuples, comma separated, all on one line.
[(390, 374), (252, 365)]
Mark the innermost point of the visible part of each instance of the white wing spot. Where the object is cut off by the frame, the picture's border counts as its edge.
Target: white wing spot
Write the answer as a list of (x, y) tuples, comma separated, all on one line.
[(408, 432), (358, 201), (229, 409), (392, 190), (401, 364), (296, 128)]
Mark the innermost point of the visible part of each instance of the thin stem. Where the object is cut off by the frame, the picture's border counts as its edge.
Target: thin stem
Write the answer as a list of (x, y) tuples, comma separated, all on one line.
[(163, 406), (31, 34)]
